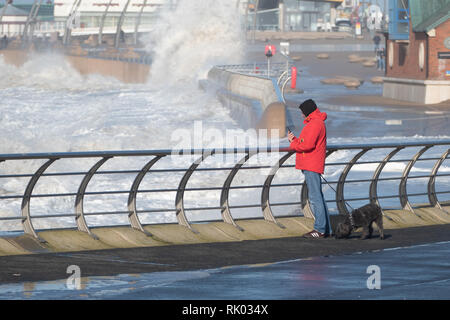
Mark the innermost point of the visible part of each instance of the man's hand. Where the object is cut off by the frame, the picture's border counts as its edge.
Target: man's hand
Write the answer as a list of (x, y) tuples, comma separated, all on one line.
[(290, 136)]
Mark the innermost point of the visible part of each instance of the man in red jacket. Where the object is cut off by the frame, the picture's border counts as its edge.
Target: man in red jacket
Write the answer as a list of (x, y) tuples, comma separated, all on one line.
[(311, 147)]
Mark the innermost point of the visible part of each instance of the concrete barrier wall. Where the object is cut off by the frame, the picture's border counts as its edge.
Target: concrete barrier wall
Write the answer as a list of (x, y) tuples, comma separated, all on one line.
[(259, 97), (124, 71), (418, 91), (247, 111), (251, 87), (175, 234), (15, 57)]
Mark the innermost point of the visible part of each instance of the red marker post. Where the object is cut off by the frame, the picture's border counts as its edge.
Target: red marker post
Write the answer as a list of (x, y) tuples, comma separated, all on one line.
[(293, 77)]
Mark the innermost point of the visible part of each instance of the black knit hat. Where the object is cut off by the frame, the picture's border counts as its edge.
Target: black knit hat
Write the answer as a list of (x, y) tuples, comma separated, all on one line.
[(308, 107)]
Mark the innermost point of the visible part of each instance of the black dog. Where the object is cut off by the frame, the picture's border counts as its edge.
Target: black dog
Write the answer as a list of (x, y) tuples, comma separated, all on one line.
[(362, 217)]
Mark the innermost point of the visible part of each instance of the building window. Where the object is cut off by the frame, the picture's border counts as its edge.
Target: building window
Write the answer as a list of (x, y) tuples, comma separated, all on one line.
[(399, 19), (306, 15)]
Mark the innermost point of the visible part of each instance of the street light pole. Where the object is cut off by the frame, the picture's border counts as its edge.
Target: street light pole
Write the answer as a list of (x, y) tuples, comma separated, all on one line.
[(69, 22), (138, 22), (102, 23), (119, 25), (4, 9), (254, 21)]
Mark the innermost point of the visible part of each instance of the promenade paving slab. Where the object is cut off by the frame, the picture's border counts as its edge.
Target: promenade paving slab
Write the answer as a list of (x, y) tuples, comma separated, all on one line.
[(184, 257)]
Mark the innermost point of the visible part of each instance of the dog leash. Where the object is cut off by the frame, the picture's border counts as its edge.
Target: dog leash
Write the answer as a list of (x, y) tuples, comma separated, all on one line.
[(349, 214)]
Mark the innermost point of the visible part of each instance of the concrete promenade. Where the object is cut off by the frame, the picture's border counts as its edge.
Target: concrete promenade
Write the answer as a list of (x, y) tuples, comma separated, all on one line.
[(53, 266), (122, 250)]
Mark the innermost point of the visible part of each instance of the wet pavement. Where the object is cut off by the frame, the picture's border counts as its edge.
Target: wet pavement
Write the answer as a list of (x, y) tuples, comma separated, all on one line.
[(353, 112), (411, 263), (415, 272), (319, 47), (368, 122), (349, 120)]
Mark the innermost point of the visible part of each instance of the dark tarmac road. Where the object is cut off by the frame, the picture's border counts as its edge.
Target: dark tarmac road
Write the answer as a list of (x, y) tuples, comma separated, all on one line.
[(411, 263), (53, 266)]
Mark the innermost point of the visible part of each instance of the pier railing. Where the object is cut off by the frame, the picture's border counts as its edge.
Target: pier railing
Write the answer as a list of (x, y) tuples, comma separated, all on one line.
[(263, 206), (277, 69)]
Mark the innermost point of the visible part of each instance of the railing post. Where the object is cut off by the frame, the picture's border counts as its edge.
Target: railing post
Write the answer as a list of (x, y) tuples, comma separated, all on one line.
[(403, 195), (284, 86), (281, 77), (340, 201), (132, 215), (26, 216), (306, 205), (431, 183), (265, 203), (179, 198), (226, 214), (373, 193), (79, 211)]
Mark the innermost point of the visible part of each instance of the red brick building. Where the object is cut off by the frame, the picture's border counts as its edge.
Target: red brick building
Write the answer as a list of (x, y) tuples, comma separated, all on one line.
[(418, 61)]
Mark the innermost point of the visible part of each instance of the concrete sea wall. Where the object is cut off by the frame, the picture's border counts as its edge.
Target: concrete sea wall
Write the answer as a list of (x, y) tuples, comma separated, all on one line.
[(15, 57), (256, 101), (124, 71)]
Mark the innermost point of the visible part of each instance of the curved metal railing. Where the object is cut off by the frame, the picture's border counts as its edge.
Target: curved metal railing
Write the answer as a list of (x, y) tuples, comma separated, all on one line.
[(264, 206), (277, 69), (280, 71)]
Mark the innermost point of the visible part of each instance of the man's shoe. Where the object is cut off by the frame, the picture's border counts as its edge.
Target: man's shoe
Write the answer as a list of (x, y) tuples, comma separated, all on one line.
[(314, 234)]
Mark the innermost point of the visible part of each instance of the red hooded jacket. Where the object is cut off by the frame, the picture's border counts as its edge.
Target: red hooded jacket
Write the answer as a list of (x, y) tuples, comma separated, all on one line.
[(311, 145)]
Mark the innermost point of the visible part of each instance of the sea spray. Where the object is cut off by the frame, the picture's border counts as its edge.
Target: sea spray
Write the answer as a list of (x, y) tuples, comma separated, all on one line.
[(47, 106), (193, 37)]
